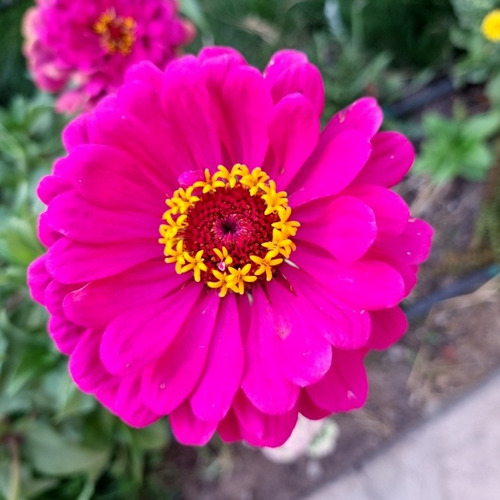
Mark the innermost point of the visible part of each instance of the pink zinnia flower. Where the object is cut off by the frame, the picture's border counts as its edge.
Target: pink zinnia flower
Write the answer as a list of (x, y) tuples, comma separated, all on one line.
[(214, 257), (83, 48)]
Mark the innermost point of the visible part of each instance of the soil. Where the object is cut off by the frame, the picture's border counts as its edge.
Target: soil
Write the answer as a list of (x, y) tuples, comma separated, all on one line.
[(443, 355)]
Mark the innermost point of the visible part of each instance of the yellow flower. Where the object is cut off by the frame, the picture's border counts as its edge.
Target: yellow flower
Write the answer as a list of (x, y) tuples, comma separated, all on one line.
[(490, 26)]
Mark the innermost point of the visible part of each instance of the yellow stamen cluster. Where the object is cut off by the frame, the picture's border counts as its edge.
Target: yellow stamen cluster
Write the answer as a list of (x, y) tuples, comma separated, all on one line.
[(216, 266), (117, 33)]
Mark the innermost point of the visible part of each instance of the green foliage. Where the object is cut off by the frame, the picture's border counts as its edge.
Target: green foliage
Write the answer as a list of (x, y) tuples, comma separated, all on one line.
[(481, 57), (458, 146), (56, 442), (13, 76), (413, 32)]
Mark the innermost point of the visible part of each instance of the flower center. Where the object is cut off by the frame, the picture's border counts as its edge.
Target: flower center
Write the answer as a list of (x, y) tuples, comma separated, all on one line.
[(231, 229), (117, 33)]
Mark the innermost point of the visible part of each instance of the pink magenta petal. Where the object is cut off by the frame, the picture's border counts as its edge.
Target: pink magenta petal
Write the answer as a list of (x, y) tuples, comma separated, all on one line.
[(410, 247), (73, 216), (364, 115), (188, 429), (309, 409), (54, 296), (388, 326), (139, 336), (391, 211), (161, 152), (302, 352), (229, 428), (129, 407), (72, 262), (45, 234), (263, 383), (109, 178), (345, 386), (358, 284), (222, 376), (186, 104), (347, 232), (169, 381), (259, 429), (391, 158), (343, 326), (76, 133), (84, 365), (52, 185), (98, 302), (146, 72), (64, 333), (221, 54), (293, 133), (330, 171), (38, 279), (289, 72), (247, 108)]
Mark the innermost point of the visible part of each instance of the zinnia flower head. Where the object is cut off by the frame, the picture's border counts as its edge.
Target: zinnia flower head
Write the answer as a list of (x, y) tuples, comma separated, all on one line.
[(82, 48), (490, 27), (213, 256)]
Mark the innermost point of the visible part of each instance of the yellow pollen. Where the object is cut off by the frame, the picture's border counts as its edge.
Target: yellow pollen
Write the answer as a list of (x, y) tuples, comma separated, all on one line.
[(117, 33), (215, 266)]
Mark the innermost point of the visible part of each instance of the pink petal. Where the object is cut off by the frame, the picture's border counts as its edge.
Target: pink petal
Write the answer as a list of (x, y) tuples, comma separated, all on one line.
[(229, 428), (64, 333), (347, 232), (129, 406), (45, 234), (263, 383), (99, 302), (161, 153), (345, 386), (289, 72), (73, 216), (410, 247), (364, 115), (221, 54), (343, 326), (259, 429), (111, 179), (330, 171), (146, 72), (388, 326), (139, 336), (247, 109), (85, 367), (52, 185), (302, 352), (188, 429), (391, 158), (309, 409), (222, 376), (76, 133), (72, 262), (54, 296), (293, 133), (169, 381), (38, 279), (186, 104), (365, 284), (391, 211)]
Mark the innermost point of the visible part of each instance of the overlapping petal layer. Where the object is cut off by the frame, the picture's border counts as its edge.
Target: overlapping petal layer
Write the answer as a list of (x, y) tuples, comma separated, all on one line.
[(142, 334)]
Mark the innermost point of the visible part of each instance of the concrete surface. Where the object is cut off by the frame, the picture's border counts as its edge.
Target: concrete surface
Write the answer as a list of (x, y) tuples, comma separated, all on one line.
[(453, 456)]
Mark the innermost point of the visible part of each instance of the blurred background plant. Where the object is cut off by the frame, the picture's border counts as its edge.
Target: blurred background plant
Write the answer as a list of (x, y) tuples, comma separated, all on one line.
[(57, 443)]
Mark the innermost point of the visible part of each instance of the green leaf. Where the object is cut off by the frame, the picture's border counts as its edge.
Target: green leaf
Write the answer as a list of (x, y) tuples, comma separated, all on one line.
[(153, 437), (54, 454), (192, 10)]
